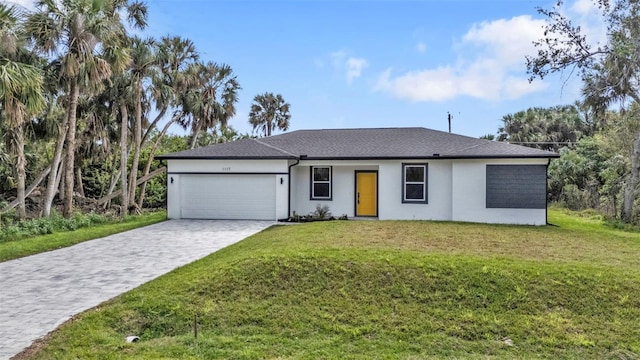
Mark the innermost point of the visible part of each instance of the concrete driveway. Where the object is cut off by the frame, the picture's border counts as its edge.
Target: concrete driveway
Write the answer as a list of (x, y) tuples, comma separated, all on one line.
[(40, 292)]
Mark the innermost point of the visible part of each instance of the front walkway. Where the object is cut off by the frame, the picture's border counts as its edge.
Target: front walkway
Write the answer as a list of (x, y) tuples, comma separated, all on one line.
[(40, 292)]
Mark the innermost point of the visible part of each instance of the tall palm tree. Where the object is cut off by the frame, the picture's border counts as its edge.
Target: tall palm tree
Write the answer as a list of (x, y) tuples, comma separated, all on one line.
[(170, 85), (212, 100), (89, 36), (143, 66), (21, 90), (269, 112)]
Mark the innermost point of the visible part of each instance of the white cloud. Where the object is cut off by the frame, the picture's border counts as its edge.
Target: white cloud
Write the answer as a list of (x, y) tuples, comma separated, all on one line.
[(587, 15), (495, 71), (29, 4), (583, 7), (426, 85), (355, 67), (508, 40), (421, 47), (352, 66)]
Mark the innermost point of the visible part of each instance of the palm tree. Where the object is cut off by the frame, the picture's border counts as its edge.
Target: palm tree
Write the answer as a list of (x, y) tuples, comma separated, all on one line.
[(89, 36), (212, 100), (21, 90), (269, 112), (143, 66), (169, 87)]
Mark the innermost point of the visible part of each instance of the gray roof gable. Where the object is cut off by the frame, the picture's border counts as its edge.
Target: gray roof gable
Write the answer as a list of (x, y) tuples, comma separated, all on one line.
[(378, 143)]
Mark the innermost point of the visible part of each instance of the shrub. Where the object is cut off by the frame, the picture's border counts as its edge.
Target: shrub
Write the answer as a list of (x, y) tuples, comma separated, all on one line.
[(321, 212), (13, 229)]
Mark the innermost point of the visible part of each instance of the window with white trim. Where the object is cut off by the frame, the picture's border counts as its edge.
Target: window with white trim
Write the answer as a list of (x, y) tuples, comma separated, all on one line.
[(414, 183), (321, 183)]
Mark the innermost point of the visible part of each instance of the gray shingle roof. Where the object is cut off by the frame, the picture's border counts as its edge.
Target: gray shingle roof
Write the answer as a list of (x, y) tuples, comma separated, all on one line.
[(385, 143), (241, 149)]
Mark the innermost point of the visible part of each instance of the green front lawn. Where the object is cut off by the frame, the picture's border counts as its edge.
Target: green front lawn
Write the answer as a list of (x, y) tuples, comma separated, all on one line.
[(383, 289)]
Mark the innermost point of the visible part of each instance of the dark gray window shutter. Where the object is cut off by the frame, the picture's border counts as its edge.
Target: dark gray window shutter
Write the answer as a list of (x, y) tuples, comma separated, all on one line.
[(517, 186)]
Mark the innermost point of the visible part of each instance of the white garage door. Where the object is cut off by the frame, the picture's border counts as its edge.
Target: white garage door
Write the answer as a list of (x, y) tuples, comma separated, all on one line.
[(240, 197)]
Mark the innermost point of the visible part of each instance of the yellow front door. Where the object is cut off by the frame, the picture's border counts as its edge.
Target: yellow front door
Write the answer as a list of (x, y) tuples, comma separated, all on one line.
[(366, 194)]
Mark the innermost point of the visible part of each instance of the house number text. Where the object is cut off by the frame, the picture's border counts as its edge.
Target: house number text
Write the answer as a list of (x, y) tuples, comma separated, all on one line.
[(226, 169)]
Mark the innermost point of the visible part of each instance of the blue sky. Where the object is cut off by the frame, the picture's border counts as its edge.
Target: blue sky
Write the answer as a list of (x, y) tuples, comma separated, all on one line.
[(382, 63)]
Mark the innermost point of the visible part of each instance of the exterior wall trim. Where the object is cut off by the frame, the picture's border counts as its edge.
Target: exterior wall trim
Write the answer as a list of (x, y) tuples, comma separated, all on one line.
[(330, 198), (225, 173), (426, 183)]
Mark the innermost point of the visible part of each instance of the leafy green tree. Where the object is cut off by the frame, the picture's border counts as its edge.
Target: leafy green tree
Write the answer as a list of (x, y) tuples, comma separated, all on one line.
[(220, 135), (610, 70), (592, 174), (269, 112), (575, 178), (544, 128)]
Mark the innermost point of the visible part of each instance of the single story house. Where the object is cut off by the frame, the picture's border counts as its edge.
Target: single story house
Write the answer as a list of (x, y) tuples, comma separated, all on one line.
[(384, 173)]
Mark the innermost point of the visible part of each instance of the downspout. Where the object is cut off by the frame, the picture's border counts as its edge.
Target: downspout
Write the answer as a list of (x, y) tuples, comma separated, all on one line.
[(289, 191), (546, 194)]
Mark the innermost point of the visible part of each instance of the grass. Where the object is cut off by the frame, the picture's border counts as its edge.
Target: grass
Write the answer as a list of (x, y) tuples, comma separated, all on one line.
[(14, 249), (383, 290)]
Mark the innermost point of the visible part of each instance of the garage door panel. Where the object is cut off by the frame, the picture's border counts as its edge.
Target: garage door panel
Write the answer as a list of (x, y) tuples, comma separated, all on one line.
[(228, 196)]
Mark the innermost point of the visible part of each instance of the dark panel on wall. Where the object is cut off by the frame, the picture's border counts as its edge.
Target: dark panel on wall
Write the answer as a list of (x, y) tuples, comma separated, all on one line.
[(517, 186)]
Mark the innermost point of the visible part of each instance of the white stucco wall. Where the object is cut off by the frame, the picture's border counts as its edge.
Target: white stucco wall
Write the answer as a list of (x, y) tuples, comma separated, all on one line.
[(456, 188), (227, 166), (390, 204), (438, 192), (343, 187), (456, 191), (469, 194)]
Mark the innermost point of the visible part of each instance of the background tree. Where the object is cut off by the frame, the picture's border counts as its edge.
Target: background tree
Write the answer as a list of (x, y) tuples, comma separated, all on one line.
[(89, 35), (174, 55), (269, 112), (142, 66), (591, 174), (211, 99), (21, 91), (611, 70), (544, 128), (99, 87)]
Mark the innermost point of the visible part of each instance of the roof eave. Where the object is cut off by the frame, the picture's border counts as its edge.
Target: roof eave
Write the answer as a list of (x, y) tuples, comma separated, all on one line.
[(441, 157), (185, 157)]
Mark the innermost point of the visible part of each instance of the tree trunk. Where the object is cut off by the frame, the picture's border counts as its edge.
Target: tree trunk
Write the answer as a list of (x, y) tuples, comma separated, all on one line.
[(60, 180), (194, 135), (112, 186), (153, 174), (79, 181), (137, 140), (632, 182), (55, 169), (74, 92), (153, 124), (124, 114), (28, 191), (18, 132), (152, 153)]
